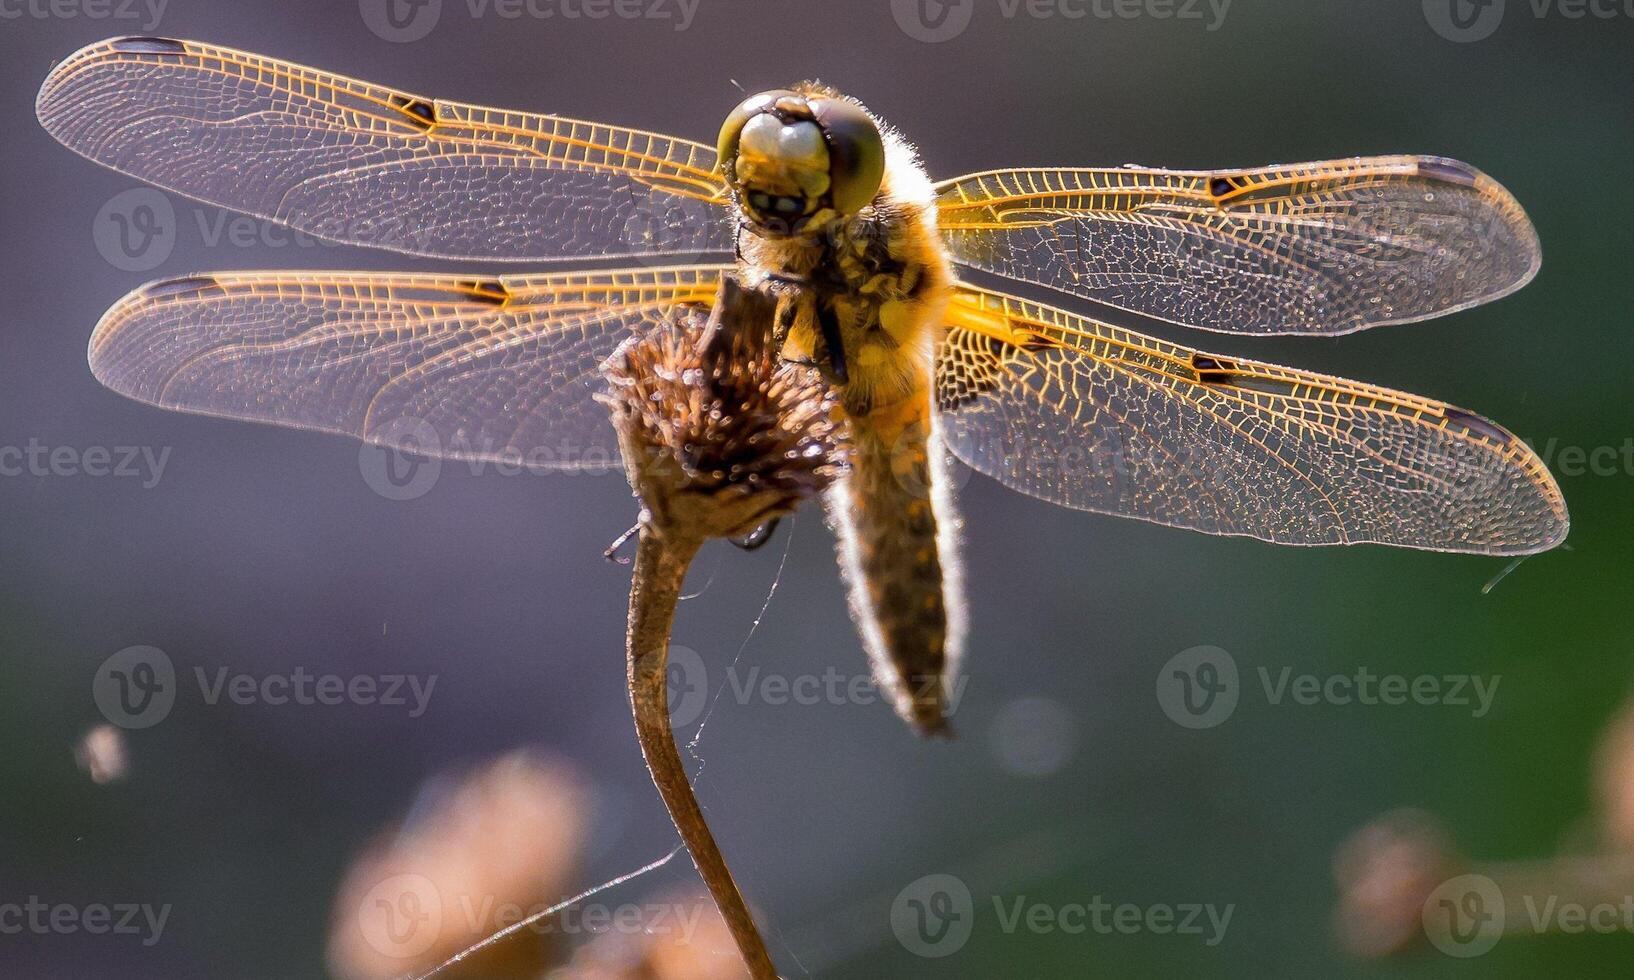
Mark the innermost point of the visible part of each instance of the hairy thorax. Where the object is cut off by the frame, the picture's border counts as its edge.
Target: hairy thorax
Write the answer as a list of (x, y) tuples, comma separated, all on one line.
[(884, 276)]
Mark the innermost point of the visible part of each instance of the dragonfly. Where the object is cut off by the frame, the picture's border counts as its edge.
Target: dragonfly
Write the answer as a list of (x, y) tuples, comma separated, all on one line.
[(884, 281)]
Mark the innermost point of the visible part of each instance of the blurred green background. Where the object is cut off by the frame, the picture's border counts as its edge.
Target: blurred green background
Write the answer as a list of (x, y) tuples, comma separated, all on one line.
[(262, 550)]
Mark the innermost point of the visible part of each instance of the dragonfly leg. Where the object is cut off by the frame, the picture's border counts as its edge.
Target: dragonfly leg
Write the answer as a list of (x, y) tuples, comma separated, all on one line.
[(833, 361), (757, 538), (611, 554)]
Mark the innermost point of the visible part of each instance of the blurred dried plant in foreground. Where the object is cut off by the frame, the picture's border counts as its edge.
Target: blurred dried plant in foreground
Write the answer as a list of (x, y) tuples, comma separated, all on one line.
[(101, 753), (482, 852), (704, 951), (1386, 872), (504, 837), (1403, 886)]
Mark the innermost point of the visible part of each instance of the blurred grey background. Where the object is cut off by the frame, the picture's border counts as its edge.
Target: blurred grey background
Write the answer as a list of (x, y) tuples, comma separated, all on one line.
[(262, 550)]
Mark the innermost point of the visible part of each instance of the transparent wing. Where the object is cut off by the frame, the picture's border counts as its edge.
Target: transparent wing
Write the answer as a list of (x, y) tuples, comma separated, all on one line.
[(496, 369), (1098, 418), (1321, 248), (348, 161)]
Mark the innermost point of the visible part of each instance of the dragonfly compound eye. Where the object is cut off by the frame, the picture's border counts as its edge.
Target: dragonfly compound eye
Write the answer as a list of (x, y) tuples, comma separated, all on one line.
[(789, 157), (856, 153)]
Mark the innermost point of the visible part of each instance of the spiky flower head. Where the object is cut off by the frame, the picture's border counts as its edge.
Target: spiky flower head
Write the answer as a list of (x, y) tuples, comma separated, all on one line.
[(720, 435)]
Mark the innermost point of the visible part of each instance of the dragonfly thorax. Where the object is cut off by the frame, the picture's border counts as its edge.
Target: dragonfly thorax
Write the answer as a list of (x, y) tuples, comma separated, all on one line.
[(863, 299)]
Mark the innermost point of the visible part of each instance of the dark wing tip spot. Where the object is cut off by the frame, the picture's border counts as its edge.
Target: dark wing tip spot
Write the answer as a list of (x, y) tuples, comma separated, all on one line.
[(180, 286), (1449, 171), (1479, 425), (137, 44)]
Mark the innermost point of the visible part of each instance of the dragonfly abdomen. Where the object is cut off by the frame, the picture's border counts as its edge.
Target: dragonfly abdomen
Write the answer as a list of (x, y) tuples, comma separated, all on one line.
[(897, 532)]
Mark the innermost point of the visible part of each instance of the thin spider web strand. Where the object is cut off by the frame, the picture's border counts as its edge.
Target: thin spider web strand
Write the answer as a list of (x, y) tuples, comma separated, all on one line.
[(516, 927), (697, 736)]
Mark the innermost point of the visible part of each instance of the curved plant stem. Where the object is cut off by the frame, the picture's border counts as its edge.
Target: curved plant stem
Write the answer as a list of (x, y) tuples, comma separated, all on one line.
[(660, 566)]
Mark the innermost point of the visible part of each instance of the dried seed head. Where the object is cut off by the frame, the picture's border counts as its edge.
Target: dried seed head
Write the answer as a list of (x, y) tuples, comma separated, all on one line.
[(507, 835), (1614, 780), (1385, 873), (718, 434), (101, 753)]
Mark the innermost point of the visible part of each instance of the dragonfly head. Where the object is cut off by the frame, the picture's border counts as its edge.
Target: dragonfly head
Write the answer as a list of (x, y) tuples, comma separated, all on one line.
[(796, 159)]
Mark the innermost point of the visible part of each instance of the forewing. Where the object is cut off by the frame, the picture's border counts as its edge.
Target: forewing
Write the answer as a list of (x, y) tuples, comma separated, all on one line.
[(1313, 248), (1099, 418), (348, 161), (461, 367)]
